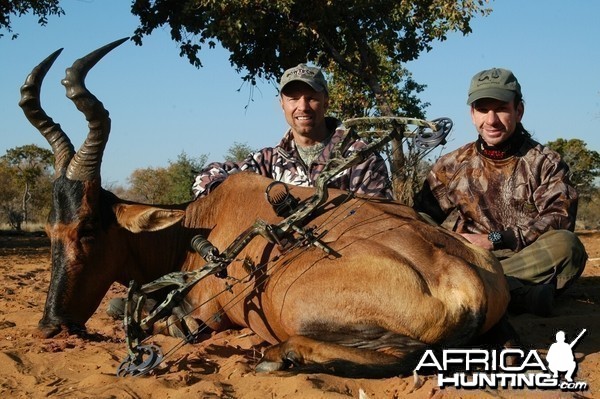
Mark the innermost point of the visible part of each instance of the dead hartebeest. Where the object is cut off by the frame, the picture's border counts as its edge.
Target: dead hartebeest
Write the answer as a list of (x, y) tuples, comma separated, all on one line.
[(395, 284)]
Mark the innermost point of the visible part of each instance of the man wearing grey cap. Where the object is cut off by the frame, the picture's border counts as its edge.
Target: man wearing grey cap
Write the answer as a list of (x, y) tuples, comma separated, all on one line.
[(512, 196), (306, 147)]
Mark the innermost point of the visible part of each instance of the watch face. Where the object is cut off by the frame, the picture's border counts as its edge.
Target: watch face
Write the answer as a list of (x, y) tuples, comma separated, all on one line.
[(495, 237)]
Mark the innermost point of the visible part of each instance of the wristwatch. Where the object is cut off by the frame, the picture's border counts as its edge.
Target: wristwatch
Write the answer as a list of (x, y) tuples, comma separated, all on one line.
[(496, 238)]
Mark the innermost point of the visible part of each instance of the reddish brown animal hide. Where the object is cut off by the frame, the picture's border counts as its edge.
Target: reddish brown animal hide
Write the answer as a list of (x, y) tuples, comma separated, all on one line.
[(396, 284)]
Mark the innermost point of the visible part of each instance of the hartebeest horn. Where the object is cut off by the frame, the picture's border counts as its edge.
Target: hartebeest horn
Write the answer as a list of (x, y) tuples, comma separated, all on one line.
[(85, 165), (31, 105)]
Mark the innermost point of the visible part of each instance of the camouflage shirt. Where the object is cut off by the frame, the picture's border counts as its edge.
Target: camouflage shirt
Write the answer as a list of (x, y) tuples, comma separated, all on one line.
[(522, 195), (284, 164)]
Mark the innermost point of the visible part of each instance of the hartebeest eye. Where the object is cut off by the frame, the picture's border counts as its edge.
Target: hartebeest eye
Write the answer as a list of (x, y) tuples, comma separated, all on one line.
[(87, 232)]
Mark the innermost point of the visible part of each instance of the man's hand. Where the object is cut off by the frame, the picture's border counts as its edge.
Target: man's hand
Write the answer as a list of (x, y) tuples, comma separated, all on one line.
[(481, 240)]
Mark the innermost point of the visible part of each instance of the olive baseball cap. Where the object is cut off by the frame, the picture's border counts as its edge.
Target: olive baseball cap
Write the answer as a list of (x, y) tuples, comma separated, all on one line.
[(312, 76), (500, 84)]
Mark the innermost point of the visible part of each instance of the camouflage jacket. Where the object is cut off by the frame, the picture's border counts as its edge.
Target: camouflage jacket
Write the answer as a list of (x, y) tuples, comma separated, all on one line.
[(522, 196), (283, 163)]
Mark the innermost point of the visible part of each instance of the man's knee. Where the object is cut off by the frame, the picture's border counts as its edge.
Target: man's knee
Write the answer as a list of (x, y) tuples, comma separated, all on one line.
[(568, 249), (564, 244)]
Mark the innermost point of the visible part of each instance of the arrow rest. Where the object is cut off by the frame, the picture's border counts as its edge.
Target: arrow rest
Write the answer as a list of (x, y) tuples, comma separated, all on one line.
[(143, 358)]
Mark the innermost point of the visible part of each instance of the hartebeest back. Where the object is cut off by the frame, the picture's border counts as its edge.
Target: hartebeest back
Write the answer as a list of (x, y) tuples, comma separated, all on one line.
[(396, 284)]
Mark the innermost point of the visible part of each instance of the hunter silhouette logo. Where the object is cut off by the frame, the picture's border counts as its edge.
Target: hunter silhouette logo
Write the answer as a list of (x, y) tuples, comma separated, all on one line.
[(507, 368), (560, 356)]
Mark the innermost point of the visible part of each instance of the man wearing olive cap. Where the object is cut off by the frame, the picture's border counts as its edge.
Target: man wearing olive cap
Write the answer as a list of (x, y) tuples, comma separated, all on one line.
[(306, 147), (302, 153), (512, 196)]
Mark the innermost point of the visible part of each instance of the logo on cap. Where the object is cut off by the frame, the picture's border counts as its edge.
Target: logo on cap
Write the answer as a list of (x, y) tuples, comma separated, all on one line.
[(497, 83), (312, 76), (299, 71), (488, 75)]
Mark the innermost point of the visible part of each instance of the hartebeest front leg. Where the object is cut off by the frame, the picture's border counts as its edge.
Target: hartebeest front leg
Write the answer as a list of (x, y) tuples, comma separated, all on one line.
[(303, 352)]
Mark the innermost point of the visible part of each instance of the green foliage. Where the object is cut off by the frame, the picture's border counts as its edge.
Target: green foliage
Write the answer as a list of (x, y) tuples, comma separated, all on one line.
[(181, 174), (362, 43), (41, 8), (279, 34), (9, 197), (10, 187), (584, 164), (397, 84), (168, 185), (26, 180), (588, 212), (30, 161), (238, 152), (148, 185)]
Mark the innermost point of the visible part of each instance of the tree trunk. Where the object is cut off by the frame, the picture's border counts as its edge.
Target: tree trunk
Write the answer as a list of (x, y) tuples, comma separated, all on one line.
[(397, 158), (24, 201)]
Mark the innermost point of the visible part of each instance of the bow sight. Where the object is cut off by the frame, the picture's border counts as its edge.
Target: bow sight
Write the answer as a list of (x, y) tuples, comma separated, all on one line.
[(141, 359)]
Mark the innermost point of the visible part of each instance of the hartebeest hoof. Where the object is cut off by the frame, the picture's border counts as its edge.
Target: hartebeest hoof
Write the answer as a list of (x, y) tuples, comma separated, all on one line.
[(394, 284), (188, 326), (49, 331), (175, 328), (116, 308), (178, 325), (279, 357), (268, 366)]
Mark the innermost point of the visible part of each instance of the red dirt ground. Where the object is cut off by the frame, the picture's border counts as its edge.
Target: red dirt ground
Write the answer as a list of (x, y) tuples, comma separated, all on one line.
[(222, 366)]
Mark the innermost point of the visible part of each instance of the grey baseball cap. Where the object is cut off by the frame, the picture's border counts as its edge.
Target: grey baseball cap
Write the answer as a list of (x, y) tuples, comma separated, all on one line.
[(500, 84), (312, 76)]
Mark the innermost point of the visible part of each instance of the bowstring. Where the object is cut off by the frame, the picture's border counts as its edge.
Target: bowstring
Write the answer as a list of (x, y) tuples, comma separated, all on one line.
[(235, 299), (338, 213)]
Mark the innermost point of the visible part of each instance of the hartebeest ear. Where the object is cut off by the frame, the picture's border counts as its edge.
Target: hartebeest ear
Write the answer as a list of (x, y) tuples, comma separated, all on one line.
[(137, 218)]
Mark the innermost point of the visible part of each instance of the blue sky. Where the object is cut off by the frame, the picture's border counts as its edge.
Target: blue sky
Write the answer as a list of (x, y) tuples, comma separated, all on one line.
[(160, 105)]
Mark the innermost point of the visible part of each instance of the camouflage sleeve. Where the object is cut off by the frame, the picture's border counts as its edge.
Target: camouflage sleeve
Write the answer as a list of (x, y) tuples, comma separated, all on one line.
[(211, 176), (426, 202), (370, 177), (432, 199), (214, 174), (553, 205), (556, 202)]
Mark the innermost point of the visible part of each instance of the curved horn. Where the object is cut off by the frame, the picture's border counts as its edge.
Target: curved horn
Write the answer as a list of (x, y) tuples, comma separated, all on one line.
[(32, 107), (85, 165)]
